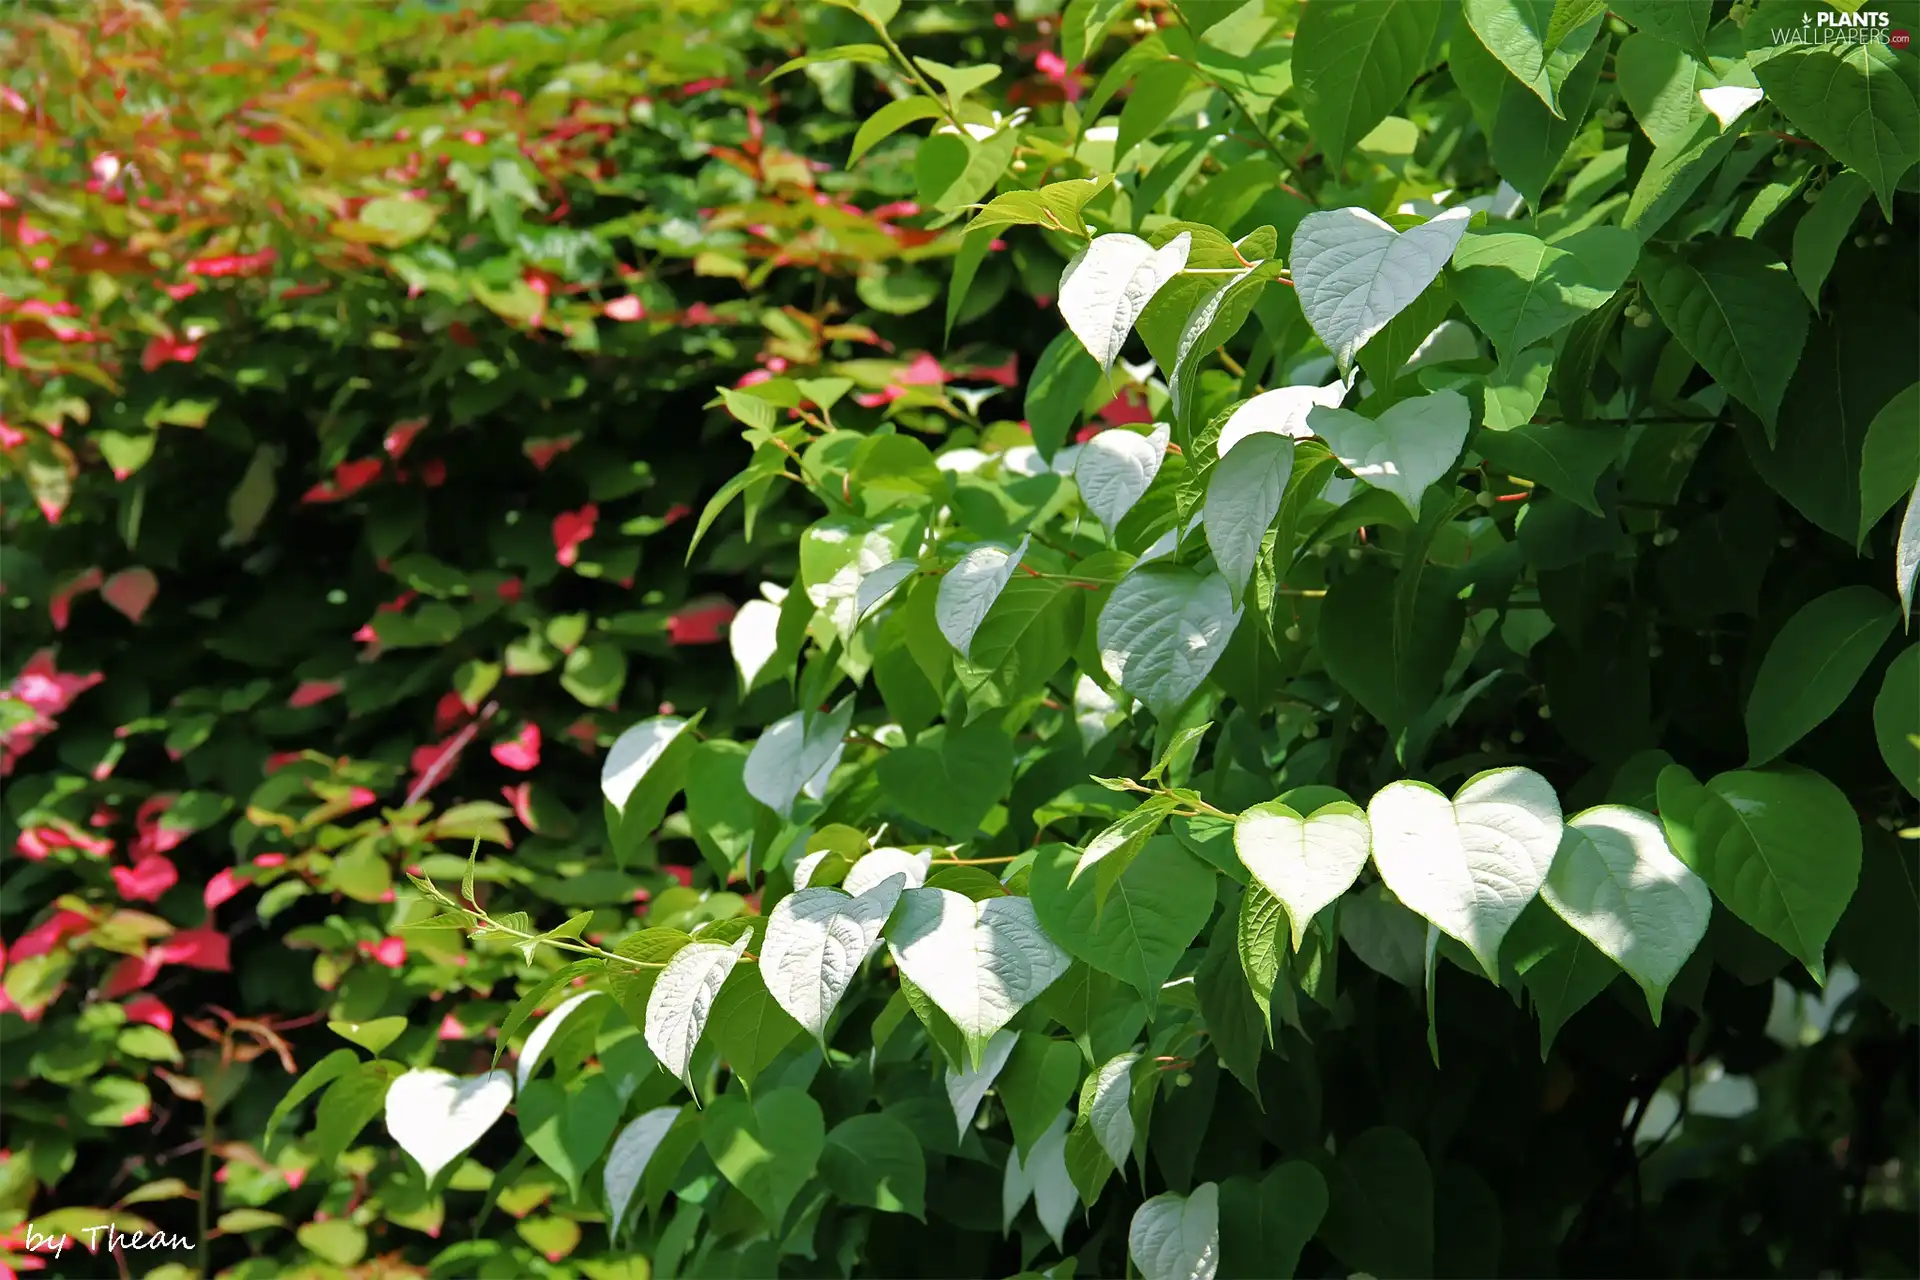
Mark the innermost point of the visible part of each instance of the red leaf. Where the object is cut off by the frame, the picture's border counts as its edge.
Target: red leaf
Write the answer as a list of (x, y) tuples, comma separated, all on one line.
[(400, 436), (313, 692), (627, 308), (131, 591), (522, 751), (147, 879), (151, 1010), (206, 949), (701, 623), (225, 884), (60, 607), (570, 529)]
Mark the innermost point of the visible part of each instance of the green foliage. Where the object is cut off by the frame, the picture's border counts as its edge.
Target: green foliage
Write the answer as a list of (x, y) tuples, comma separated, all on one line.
[(1396, 760)]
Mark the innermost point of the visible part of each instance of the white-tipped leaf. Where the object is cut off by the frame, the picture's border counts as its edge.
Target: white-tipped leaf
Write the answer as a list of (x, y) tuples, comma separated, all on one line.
[(1281, 412), (1106, 287), (435, 1116), (1617, 881), (879, 865), (634, 753), (542, 1036), (1116, 468), (969, 589), (1470, 864), (682, 1000), (1406, 449), (628, 1158), (1354, 273), (1243, 497), (753, 637), (817, 939), (1110, 1108), (1042, 1178), (980, 962), (1305, 862), (1176, 1237), (967, 1089), (1162, 630), (792, 751)]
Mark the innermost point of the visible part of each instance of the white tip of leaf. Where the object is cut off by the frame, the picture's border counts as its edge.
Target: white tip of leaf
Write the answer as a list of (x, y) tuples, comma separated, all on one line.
[(1450, 341), (1242, 500), (1354, 273), (1175, 1237), (1116, 468), (543, 1033), (1617, 881), (1096, 713), (1404, 450), (633, 753), (980, 962), (792, 752), (627, 1161), (682, 999), (753, 638), (1906, 554), (882, 864), (1111, 281), (966, 1089), (817, 939), (1282, 412), (1728, 102), (968, 591), (1042, 1178), (877, 587), (435, 1116), (1110, 1109)]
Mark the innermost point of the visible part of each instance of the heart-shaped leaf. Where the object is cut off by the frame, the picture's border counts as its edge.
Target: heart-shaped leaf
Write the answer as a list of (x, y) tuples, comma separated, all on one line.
[(1282, 411), (627, 1161), (373, 1035), (980, 962), (1354, 273), (950, 780), (1304, 862), (816, 941), (435, 1116), (1242, 501), (1116, 468), (1470, 864), (867, 873), (969, 589), (682, 1000), (768, 1150), (1106, 287), (1519, 289), (1176, 1237), (569, 1128), (1406, 449), (1163, 629), (1618, 883)]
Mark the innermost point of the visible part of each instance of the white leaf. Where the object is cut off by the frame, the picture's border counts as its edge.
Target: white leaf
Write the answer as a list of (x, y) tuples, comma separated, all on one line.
[(1304, 862), (874, 868), (803, 870), (1110, 1110), (980, 962), (633, 753), (817, 939), (1044, 1179), (682, 999), (966, 1089), (753, 637), (876, 587), (1242, 500), (791, 751), (1354, 273), (435, 1116), (627, 1160), (774, 592), (1163, 629), (542, 1035), (969, 589), (1405, 449), (1470, 864), (1282, 412), (961, 461), (1096, 713), (816, 786), (1106, 287), (1449, 342), (1176, 1237), (1619, 884), (1728, 102), (1906, 554), (838, 597), (1023, 460), (1194, 342), (1116, 468)]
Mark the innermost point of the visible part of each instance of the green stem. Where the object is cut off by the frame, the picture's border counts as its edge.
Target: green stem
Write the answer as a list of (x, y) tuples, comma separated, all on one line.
[(913, 73)]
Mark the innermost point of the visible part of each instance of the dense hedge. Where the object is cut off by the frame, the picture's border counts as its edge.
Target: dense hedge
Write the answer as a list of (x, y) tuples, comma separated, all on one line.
[(378, 384)]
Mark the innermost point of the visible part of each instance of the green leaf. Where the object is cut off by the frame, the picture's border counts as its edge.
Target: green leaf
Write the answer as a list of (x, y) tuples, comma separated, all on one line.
[(1394, 682), (1261, 934), (1380, 1204), (1156, 93), (594, 674), (958, 81), (952, 779), (1264, 1225), (1674, 172), (1561, 971), (338, 1240), (1518, 289), (1812, 665), (747, 1027), (1353, 62), (316, 1077), (1779, 847), (1236, 1023), (1896, 718), (864, 54), (1040, 1076), (768, 1149), (1681, 22), (523, 1007), (1856, 99), (1568, 460), (952, 171), (966, 265), (568, 1129), (1162, 630), (1821, 231), (1082, 27), (1522, 35), (874, 1160), (1733, 306), (1880, 934), (1063, 378), (1151, 916), (1056, 206), (1661, 83), (1525, 139), (1889, 457), (353, 1099), (373, 1036)]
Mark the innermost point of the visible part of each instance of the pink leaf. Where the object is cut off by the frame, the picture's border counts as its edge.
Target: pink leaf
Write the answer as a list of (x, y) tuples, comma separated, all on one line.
[(627, 308), (150, 1010), (570, 529), (313, 692), (522, 751), (701, 623), (198, 949), (147, 879), (60, 607), (226, 883), (131, 591)]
